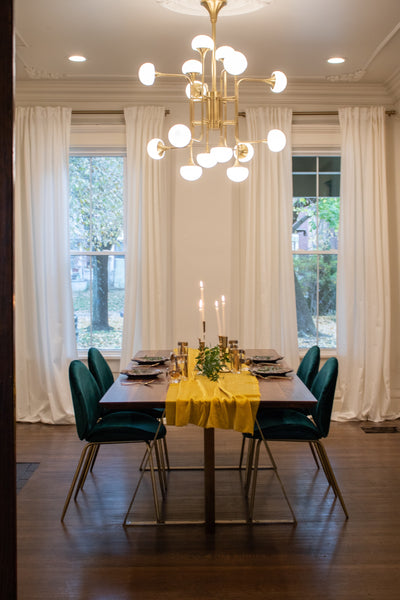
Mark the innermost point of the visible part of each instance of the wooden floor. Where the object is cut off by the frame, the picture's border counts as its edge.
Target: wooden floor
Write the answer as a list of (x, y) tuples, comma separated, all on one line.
[(92, 557)]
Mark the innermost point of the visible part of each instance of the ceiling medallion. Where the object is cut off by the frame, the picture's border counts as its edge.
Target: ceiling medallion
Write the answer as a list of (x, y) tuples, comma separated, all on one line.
[(234, 7)]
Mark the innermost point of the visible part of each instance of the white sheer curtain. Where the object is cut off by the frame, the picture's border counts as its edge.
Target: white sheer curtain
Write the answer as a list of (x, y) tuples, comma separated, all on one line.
[(363, 287), (147, 227), (268, 303), (44, 323)]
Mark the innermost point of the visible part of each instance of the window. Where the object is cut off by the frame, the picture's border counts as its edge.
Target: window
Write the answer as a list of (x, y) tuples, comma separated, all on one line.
[(316, 205), (97, 249)]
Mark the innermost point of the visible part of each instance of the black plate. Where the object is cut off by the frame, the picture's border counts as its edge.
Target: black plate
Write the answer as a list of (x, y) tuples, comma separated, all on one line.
[(141, 372), (270, 370), (265, 358), (150, 360)]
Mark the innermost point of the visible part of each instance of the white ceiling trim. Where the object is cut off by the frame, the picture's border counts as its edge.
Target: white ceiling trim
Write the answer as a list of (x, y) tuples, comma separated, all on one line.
[(101, 95)]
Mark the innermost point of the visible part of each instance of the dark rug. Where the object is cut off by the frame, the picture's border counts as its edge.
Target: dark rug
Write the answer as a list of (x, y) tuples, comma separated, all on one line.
[(24, 472), (380, 429)]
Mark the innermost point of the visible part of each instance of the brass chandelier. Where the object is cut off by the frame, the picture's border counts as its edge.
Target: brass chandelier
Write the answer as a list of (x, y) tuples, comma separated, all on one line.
[(213, 110)]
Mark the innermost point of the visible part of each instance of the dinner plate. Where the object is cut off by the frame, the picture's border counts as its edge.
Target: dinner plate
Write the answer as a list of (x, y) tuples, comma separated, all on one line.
[(141, 372), (265, 358), (268, 370), (150, 360)]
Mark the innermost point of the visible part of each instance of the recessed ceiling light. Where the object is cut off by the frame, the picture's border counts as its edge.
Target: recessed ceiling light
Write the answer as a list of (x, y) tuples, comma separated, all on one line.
[(77, 58), (336, 60)]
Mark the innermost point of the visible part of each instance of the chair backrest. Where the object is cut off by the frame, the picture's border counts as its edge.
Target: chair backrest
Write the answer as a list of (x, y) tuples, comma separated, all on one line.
[(323, 389), (85, 397), (100, 370), (309, 366)]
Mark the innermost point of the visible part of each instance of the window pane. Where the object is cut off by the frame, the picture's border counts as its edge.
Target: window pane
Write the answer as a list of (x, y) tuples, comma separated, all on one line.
[(327, 301), (304, 164), (329, 185), (304, 228), (304, 185), (98, 288), (329, 164), (305, 275), (107, 203), (328, 212), (96, 203), (80, 193)]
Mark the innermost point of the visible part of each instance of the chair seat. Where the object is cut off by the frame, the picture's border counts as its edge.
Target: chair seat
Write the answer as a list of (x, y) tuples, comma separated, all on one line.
[(285, 424), (125, 426)]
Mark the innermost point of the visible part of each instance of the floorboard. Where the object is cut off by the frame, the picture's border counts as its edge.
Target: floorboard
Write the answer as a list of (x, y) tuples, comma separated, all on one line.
[(93, 557)]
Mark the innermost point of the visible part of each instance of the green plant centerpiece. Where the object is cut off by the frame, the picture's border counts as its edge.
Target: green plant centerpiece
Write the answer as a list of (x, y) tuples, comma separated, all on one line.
[(211, 361)]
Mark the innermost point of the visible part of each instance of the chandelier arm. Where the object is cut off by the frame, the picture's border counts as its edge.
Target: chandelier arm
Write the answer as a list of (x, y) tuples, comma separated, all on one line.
[(268, 80), (188, 79)]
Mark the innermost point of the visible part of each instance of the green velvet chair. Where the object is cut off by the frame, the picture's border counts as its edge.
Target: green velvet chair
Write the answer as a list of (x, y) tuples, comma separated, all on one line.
[(112, 428), (100, 370), (308, 368), (102, 373), (307, 372), (292, 426)]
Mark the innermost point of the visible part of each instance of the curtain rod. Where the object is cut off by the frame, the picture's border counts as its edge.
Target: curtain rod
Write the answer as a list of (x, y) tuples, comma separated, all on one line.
[(313, 113)]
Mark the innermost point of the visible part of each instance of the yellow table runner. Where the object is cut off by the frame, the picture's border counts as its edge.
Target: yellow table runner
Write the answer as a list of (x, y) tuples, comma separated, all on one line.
[(229, 403)]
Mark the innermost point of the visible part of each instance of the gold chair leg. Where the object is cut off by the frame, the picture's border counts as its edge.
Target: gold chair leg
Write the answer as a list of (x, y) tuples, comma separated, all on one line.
[(160, 468), (85, 469), (75, 477), (242, 451), (324, 456), (324, 467), (154, 486), (94, 457), (254, 481), (313, 453), (249, 465), (166, 455), (149, 459)]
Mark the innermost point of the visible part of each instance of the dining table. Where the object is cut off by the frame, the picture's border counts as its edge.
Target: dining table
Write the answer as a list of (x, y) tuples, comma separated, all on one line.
[(287, 391)]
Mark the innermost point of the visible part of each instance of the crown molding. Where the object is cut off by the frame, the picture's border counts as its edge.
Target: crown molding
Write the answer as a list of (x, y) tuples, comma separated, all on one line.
[(393, 86), (116, 94)]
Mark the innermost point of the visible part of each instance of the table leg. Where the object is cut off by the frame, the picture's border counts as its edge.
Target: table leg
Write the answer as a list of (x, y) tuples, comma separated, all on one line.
[(209, 479)]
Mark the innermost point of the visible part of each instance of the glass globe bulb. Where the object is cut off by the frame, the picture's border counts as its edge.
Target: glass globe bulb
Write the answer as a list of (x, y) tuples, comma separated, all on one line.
[(202, 42), (280, 82), (147, 74), (221, 153), (179, 135), (206, 160), (235, 63), (192, 66), (276, 140), (223, 51), (237, 173), (153, 149), (191, 172), (244, 152)]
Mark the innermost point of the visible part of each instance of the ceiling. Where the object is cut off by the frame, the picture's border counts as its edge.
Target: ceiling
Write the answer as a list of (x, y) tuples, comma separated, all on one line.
[(295, 36)]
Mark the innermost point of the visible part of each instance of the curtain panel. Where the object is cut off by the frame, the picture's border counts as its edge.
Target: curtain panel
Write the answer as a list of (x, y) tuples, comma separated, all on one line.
[(44, 323), (363, 286), (147, 233), (267, 308)]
